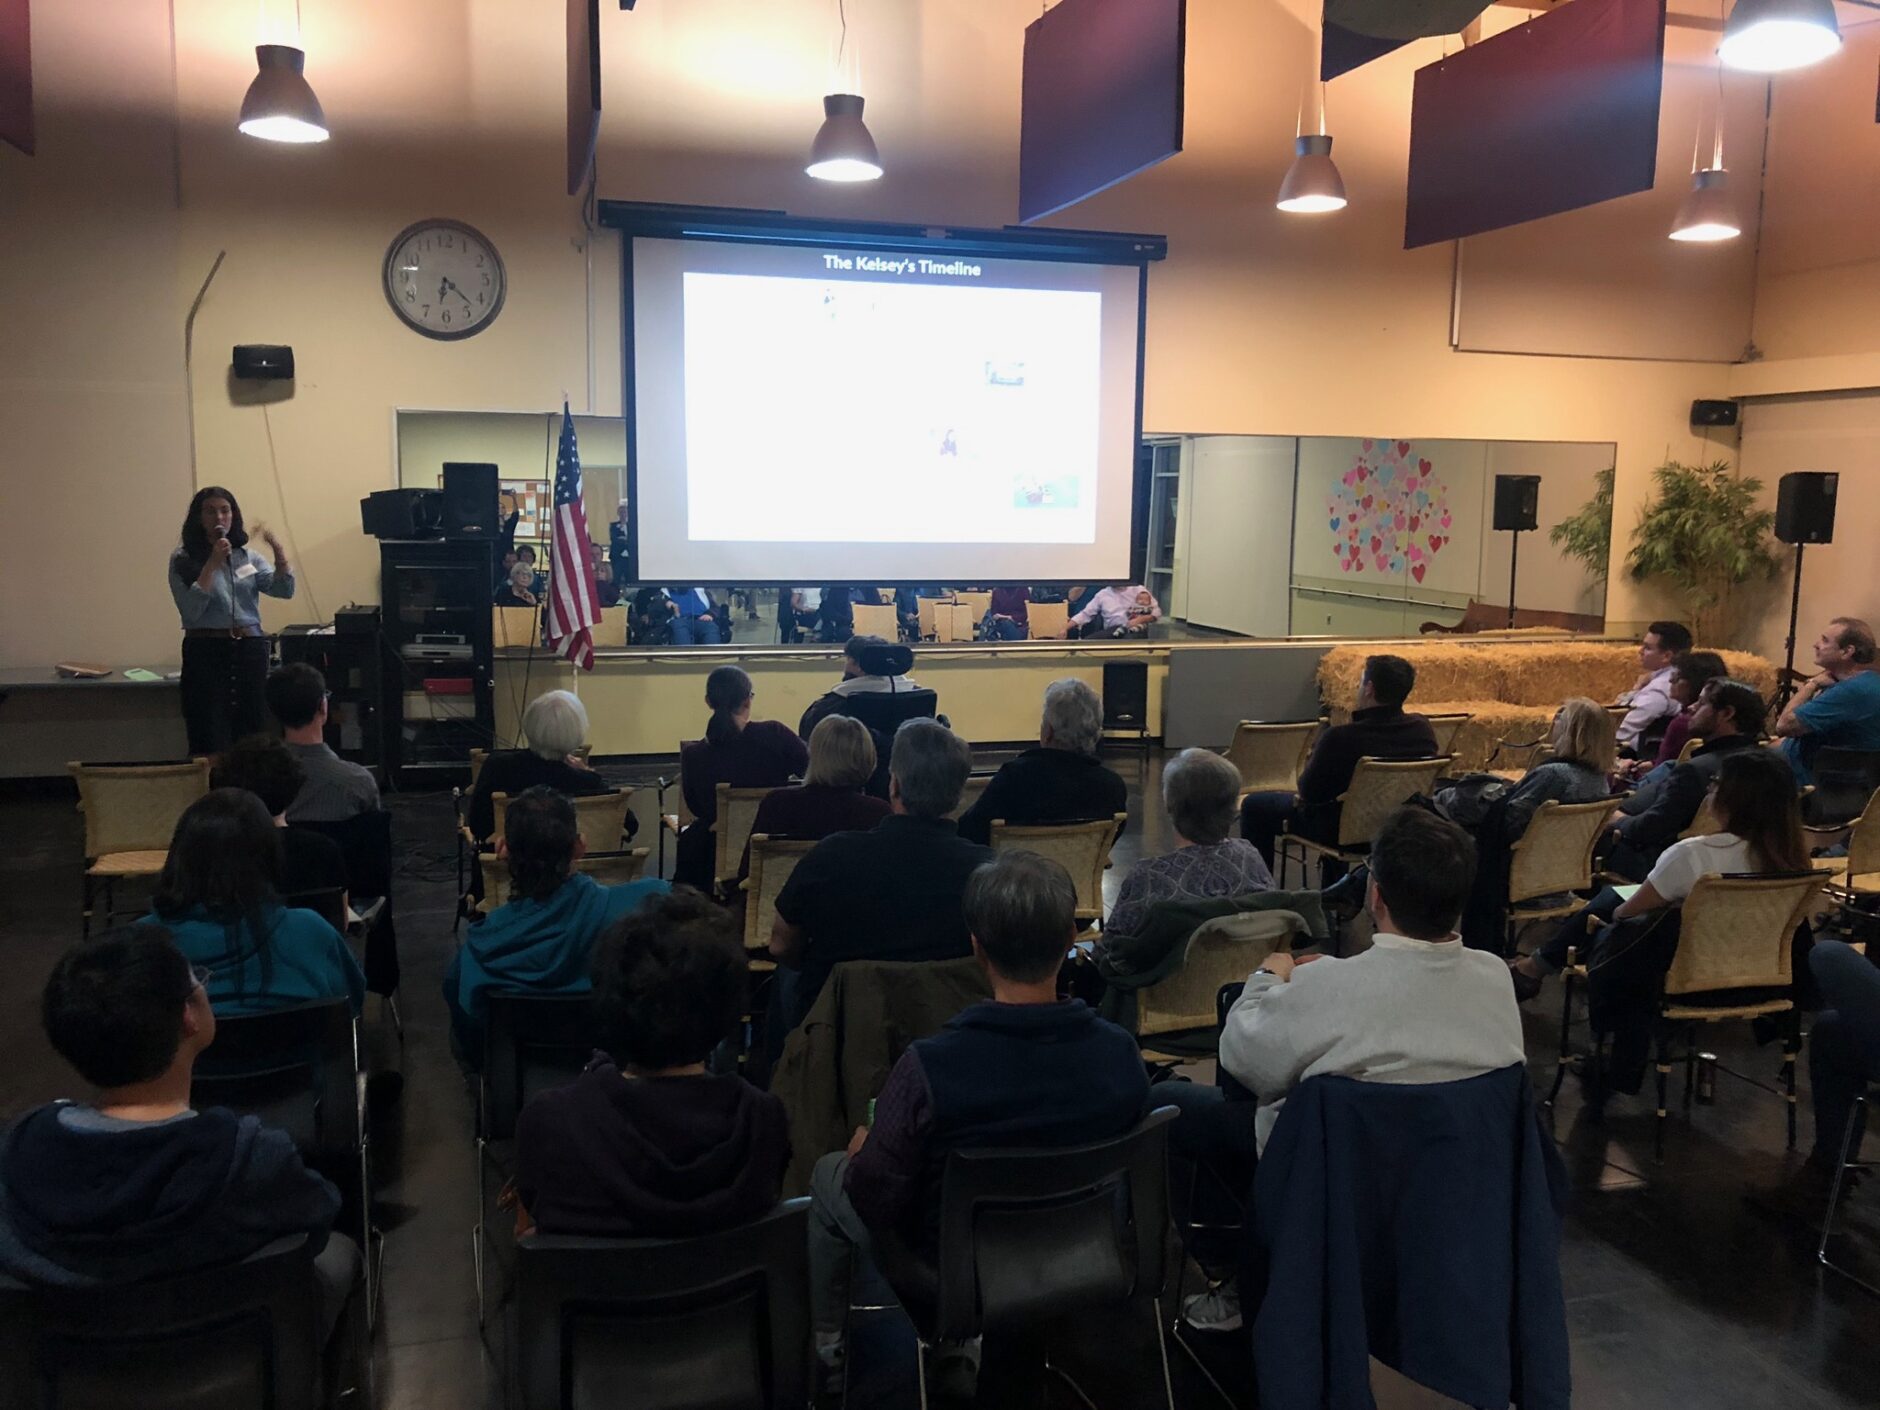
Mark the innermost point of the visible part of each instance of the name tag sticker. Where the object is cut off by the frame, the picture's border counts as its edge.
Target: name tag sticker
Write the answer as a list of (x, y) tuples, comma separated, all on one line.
[(245, 572)]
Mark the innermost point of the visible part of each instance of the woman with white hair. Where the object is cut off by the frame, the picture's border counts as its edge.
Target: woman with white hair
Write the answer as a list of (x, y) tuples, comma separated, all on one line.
[(1061, 780), (519, 590), (1201, 792), (832, 796), (555, 724)]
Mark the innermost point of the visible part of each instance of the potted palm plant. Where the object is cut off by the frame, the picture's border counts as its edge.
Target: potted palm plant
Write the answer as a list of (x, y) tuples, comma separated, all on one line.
[(1586, 534), (1705, 532)]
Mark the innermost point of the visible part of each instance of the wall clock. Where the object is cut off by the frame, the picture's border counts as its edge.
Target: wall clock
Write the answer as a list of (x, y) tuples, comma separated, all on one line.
[(444, 279)]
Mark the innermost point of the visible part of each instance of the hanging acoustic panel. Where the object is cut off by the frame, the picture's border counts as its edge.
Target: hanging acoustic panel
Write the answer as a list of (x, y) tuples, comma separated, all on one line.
[(1552, 115), (584, 89), (16, 75), (1358, 31), (1102, 98)]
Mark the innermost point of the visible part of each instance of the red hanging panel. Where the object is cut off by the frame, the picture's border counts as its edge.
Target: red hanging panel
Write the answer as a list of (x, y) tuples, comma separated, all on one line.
[(1552, 115), (16, 75)]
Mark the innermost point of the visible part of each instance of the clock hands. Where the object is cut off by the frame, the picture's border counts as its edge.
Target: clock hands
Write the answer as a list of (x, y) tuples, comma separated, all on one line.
[(450, 285)]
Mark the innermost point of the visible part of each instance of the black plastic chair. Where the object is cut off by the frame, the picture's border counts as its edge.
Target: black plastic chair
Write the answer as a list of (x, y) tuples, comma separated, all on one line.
[(1030, 1237), (715, 1321), (365, 841), (298, 1069), (232, 1337), (531, 1042), (328, 903)]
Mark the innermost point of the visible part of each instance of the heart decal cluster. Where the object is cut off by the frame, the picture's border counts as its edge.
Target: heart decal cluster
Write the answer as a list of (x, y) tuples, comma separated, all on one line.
[(1388, 513)]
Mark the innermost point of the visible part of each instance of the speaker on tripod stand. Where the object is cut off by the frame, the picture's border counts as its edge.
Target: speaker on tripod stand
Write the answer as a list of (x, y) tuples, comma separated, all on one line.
[(1804, 515)]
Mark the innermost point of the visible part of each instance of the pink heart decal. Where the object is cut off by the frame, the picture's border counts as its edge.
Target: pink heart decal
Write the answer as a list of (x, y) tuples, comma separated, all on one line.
[(1445, 521), (1376, 543), (1403, 447), (1435, 542), (1347, 563), (1413, 523), (1416, 571), (1423, 466)]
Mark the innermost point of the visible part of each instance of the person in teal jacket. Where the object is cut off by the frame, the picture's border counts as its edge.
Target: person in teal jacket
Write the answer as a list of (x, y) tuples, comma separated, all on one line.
[(219, 895), (541, 939)]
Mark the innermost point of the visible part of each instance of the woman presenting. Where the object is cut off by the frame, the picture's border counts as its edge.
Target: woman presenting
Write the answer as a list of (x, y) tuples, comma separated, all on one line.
[(217, 581)]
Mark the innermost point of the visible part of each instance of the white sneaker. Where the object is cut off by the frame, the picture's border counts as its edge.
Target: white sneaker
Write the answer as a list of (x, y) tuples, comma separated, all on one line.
[(1217, 1310)]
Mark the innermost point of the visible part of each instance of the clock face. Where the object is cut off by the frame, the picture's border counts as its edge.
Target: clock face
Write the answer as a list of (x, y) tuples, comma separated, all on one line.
[(444, 279)]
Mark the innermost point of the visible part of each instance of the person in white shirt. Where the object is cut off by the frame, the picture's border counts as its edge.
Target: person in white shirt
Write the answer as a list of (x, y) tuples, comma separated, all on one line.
[(1123, 611), (1416, 1007), (1649, 698)]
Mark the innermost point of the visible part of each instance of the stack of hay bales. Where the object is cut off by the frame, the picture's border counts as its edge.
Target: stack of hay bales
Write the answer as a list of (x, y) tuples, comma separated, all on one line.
[(1509, 689)]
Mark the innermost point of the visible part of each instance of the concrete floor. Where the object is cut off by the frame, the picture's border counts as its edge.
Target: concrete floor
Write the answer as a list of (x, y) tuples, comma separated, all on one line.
[(1678, 1295)]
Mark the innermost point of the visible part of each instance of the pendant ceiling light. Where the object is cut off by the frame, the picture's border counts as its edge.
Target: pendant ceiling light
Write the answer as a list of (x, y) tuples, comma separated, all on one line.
[(280, 105), (1312, 185), (843, 150), (1708, 214), (1769, 36)]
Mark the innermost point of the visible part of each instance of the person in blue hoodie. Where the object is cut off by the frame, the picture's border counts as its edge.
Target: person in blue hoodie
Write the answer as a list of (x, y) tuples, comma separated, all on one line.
[(220, 899), (540, 940), (135, 1184)]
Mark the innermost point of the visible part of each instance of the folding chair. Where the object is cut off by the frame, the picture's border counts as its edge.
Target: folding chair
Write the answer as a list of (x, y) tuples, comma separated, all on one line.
[(1554, 857), (731, 829), (1378, 788), (1446, 728)]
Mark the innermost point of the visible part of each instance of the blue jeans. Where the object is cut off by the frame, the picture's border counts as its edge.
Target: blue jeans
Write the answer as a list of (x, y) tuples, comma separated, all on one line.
[(694, 631), (1844, 1044)]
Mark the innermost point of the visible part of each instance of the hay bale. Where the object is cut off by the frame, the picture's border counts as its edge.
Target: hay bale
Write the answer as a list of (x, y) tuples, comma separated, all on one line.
[(1751, 669), (1444, 672)]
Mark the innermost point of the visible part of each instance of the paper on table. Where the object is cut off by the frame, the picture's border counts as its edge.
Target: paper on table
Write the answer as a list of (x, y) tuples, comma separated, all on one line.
[(138, 673)]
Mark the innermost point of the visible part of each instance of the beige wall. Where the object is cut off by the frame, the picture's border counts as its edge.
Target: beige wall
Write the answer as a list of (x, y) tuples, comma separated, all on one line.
[(1259, 324)]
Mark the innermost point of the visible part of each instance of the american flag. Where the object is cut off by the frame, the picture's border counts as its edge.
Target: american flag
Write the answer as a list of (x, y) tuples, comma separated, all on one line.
[(574, 607)]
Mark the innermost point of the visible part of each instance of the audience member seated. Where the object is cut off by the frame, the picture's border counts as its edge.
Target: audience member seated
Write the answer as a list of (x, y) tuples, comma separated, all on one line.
[(555, 725), (1728, 717), (892, 893), (1838, 707), (1649, 700), (766, 754), (646, 1142), (1379, 729), (1198, 792), (694, 617), (1843, 1057), (907, 608), (1116, 611), (265, 767), (1416, 1007), (1759, 830), (135, 1185), (835, 613), (519, 590), (220, 898), (1062, 780), (871, 665), (335, 789), (1024, 1068), (830, 799), (541, 938), (1010, 614), (1690, 672)]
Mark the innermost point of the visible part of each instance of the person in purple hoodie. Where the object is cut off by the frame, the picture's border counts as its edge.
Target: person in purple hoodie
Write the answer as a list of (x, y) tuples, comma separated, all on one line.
[(646, 1142)]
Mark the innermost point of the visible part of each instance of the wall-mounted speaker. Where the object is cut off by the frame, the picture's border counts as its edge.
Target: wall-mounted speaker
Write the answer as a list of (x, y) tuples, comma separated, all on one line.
[(263, 362), (1517, 501), (403, 514), (1805, 506), (1712, 413), (470, 508)]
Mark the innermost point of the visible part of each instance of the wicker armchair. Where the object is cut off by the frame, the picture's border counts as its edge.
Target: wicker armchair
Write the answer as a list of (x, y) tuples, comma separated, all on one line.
[(1446, 728), (601, 818), (1857, 875), (737, 811), (1378, 788), (1221, 951), (969, 795), (1082, 848), (130, 811), (1271, 756), (1554, 857), (1736, 933), (772, 861)]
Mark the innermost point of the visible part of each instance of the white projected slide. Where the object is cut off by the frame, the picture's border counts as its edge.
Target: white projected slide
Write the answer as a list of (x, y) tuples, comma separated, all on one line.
[(883, 413), (807, 415)]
